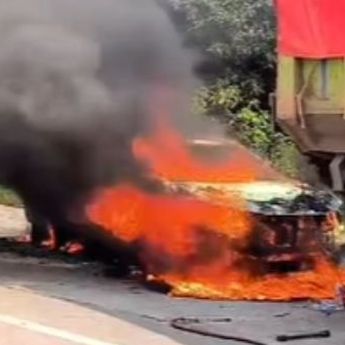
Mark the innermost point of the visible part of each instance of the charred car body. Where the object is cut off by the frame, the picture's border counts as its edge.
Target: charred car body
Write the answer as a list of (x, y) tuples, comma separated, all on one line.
[(292, 222)]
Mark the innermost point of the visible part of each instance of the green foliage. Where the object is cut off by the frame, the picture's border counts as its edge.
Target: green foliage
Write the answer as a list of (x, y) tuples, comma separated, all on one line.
[(255, 129), (249, 123), (218, 100), (239, 35), (9, 198), (285, 156)]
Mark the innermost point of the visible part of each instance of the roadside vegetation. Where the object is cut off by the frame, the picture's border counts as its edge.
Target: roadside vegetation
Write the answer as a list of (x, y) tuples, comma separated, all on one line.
[(237, 39), (9, 198)]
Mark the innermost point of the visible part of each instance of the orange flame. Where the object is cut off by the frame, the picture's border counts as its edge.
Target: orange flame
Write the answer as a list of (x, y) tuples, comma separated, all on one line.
[(170, 225), (200, 246), (318, 284), (168, 157)]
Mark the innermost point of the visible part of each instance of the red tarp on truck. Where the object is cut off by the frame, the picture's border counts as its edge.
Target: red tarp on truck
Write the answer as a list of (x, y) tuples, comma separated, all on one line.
[(311, 28)]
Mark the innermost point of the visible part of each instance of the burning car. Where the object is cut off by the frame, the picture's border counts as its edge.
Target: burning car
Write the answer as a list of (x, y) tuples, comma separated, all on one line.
[(292, 222), (224, 225)]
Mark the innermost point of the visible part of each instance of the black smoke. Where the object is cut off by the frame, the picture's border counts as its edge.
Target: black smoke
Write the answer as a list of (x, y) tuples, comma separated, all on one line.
[(77, 81)]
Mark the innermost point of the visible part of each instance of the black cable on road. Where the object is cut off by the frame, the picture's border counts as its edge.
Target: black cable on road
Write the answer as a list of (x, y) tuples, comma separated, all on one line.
[(184, 324)]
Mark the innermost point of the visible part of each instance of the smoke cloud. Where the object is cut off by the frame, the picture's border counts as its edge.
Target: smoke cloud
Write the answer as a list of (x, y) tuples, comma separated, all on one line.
[(78, 81)]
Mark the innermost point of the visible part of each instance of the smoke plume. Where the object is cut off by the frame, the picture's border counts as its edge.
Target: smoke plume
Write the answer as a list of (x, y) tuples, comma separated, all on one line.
[(77, 84)]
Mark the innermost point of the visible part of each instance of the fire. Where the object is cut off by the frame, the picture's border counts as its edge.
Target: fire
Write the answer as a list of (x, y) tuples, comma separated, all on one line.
[(167, 156), (173, 229), (200, 246), (318, 284)]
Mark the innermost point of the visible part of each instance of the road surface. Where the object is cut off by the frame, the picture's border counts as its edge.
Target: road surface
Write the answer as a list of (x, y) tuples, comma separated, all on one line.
[(49, 301), (74, 304)]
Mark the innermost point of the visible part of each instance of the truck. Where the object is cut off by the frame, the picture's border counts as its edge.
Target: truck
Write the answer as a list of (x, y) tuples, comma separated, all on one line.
[(309, 102)]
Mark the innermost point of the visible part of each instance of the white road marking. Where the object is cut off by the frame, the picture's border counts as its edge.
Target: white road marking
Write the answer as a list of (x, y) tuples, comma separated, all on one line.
[(51, 331)]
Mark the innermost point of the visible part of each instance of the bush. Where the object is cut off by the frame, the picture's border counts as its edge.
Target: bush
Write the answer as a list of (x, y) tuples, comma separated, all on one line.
[(237, 36), (285, 156), (246, 121), (254, 129)]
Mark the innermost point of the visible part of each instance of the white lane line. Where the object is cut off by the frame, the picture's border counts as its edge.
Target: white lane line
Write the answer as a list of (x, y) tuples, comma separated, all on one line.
[(51, 331)]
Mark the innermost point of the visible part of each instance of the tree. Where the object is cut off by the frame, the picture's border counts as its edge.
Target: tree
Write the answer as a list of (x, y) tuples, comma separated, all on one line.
[(238, 36)]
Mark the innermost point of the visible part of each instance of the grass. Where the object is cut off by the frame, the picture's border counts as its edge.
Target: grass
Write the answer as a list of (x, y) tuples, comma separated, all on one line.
[(9, 198)]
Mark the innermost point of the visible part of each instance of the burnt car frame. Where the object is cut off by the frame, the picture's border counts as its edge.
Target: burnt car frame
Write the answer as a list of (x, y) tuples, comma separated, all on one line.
[(292, 222)]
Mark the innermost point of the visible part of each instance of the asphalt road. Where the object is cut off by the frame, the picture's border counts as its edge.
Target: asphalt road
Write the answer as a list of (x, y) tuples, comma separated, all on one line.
[(49, 301), (80, 300)]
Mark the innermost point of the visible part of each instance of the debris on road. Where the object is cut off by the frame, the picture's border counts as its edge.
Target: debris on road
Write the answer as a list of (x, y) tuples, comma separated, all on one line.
[(336, 305), (321, 334), (186, 325), (328, 307)]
